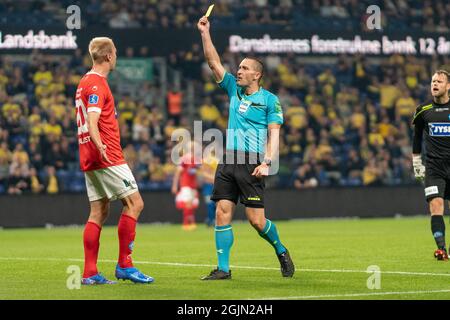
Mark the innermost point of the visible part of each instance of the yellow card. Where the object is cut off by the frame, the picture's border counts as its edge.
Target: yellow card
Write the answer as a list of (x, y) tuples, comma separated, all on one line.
[(209, 10)]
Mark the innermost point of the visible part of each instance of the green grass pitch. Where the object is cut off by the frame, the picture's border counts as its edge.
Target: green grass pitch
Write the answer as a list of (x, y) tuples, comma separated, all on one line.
[(331, 257)]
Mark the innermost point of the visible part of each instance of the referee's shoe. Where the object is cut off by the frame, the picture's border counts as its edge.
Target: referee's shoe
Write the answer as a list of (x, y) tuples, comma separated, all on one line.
[(217, 274), (286, 264)]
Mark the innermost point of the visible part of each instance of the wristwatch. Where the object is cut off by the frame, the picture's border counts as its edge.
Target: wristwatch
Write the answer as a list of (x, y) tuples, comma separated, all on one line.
[(268, 162)]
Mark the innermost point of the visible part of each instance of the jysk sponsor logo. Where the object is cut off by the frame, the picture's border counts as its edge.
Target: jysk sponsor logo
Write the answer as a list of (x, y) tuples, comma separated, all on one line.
[(439, 129), (93, 99)]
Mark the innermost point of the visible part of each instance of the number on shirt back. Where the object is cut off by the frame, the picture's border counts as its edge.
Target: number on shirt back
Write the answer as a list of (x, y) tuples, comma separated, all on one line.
[(81, 117)]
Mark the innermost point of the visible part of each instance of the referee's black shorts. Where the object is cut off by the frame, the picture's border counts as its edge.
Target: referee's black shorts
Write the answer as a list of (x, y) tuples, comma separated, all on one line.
[(234, 181), (437, 179)]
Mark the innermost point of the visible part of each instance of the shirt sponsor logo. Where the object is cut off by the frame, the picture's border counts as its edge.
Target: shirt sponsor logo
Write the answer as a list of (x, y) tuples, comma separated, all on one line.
[(439, 129), (440, 109), (93, 99), (84, 140), (431, 190)]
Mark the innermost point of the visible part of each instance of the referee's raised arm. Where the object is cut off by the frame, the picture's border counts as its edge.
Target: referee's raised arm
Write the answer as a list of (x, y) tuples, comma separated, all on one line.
[(211, 55)]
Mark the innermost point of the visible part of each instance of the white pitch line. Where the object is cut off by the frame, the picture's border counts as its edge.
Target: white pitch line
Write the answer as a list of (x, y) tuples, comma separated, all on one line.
[(354, 295), (179, 264), (382, 272)]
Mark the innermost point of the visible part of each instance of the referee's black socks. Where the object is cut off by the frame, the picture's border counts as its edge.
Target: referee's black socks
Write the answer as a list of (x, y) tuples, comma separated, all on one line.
[(438, 230)]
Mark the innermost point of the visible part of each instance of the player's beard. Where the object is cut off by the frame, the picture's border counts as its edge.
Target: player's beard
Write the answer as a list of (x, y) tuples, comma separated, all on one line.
[(440, 96)]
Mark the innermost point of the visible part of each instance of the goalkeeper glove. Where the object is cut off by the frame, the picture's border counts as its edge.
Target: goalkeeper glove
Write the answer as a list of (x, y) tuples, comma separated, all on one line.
[(419, 168)]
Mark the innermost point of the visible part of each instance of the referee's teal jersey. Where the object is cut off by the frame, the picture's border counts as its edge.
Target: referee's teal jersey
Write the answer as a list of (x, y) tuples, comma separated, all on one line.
[(249, 116)]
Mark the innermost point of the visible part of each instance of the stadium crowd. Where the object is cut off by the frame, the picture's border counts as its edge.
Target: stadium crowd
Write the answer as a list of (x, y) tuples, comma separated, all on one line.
[(346, 124), (282, 14), (347, 121)]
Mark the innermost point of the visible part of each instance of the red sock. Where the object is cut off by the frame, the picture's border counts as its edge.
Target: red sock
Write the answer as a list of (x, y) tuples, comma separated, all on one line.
[(91, 240), (127, 233), (191, 216), (188, 215)]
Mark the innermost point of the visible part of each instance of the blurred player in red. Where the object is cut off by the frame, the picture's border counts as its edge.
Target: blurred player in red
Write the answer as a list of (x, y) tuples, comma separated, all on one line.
[(185, 186), (107, 175)]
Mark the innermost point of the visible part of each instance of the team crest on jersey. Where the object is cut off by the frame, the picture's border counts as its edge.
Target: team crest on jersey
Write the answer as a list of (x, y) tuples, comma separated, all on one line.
[(244, 106), (439, 129), (93, 99)]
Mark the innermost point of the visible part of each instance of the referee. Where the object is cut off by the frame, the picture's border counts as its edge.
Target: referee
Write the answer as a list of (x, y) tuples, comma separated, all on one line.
[(432, 119), (254, 112)]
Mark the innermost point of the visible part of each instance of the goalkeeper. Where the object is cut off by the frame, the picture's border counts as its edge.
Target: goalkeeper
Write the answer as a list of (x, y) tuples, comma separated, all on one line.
[(432, 119)]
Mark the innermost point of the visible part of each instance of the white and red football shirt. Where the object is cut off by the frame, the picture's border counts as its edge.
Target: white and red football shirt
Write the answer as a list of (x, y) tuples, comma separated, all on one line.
[(94, 95)]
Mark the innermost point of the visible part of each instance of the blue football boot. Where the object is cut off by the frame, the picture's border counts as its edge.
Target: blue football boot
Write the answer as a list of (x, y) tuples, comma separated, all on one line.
[(96, 279), (132, 274)]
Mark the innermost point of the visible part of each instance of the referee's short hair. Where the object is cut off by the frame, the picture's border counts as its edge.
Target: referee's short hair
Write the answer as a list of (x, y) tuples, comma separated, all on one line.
[(259, 65), (444, 72)]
